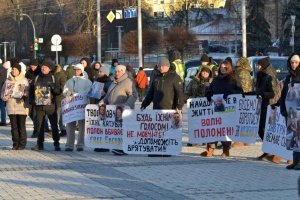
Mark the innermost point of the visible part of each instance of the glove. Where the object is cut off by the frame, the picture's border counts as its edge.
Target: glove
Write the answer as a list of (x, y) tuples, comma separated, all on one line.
[(225, 95), (208, 95), (292, 84), (273, 106), (284, 113)]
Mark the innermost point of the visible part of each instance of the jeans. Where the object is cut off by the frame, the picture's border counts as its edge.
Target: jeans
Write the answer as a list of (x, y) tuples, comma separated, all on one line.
[(3, 111)]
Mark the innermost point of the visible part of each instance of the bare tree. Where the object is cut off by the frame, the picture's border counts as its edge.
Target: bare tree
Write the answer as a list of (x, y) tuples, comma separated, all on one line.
[(181, 39)]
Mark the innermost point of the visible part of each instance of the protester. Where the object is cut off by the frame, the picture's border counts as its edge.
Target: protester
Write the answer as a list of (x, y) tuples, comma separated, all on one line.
[(243, 73), (141, 81), (292, 78), (174, 59), (265, 66), (46, 79), (114, 64), (87, 68), (264, 90), (122, 92), (225, 83), (103, 77), (73, 86), (166, 91), (61, 76), (206, 61), (198, 86), (17, 106), (130, 72)]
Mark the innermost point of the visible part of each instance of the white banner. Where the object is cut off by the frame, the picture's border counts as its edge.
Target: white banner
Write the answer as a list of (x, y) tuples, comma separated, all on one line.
[(235, 118), (152, 132), (73, 107), (275, 135), (103, 126)]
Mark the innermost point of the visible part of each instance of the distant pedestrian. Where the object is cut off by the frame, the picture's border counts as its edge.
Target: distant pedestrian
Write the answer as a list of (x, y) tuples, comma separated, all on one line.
[(141, 81)]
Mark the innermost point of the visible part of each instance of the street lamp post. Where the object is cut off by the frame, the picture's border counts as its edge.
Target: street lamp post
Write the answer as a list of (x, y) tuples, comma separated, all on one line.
[(293, 18), (34, 51), (5, 51)]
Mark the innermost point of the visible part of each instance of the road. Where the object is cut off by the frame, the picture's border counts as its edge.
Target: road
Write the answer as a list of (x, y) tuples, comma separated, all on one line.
[(89, 175)]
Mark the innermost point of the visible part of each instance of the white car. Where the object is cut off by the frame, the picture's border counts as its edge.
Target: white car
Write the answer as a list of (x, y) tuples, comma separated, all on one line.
[(190, 73)]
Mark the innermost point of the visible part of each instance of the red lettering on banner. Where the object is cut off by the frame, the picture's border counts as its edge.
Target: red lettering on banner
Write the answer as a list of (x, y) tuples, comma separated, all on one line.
[(211, 122)]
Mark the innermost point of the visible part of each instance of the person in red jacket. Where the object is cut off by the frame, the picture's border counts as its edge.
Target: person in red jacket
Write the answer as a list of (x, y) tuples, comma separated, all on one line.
[(141, 82)]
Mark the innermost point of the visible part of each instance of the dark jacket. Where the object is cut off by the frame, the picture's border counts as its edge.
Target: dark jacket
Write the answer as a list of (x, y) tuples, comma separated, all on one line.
[(293, 77), (222, 85), (265, 90), (3, 76), (61, 76), (31, 75), (70, 71), (55, 90), (94, 73), (166, 91), (107, 82)]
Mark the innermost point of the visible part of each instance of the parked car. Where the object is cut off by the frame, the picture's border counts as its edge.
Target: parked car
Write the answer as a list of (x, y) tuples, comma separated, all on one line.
[(278, 62)]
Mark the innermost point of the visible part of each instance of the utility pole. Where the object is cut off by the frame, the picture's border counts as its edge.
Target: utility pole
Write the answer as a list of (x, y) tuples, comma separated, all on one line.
[(140, 47), (119, 37), (98, 31), (244, 31)]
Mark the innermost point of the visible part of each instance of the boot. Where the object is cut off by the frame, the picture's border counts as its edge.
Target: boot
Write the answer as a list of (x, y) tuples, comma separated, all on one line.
[(261, 157), (296, 156), (208, 153), (274, 159), (237, 144), (225, 151)]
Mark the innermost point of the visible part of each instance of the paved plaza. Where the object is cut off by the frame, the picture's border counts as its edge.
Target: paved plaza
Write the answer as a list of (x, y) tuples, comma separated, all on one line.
[(90, 175)]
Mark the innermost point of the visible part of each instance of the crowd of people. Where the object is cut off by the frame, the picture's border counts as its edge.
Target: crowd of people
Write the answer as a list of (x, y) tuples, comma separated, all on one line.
[(122, 86)]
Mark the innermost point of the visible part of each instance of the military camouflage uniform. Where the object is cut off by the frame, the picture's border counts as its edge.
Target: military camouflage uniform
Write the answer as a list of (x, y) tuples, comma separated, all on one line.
[(243, 74), (196, 87)]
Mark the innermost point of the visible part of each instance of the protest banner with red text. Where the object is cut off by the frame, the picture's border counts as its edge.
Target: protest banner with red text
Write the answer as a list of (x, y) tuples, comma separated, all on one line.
[(103, 126), (152, 132)]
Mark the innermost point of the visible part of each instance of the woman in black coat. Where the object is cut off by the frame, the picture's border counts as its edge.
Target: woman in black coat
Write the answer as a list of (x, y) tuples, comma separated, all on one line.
[(225, 83)]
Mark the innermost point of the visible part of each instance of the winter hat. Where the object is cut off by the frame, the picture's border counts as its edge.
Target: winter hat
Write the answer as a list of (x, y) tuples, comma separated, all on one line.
[(105, 70), (229, 60), (120, 68), (113, 61), (205, 69), (265, 62), (48, 62), (79, 66), (17, 66), (34, 62), (295, 58), (204, 58), (163, 62)]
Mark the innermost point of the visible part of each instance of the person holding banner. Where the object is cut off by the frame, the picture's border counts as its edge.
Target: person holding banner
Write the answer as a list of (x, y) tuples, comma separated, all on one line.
[(75, 85), (264, 90), (292, 80), (166, 91), (198, 86), (122, 92), (225, 83), (17, 107)]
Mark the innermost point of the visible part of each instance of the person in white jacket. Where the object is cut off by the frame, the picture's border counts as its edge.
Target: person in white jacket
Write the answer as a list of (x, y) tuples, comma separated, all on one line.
[(75, 85), (14, 92)]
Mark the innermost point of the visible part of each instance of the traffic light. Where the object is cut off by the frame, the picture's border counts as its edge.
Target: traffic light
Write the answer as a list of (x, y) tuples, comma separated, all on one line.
[(31, 48), (36, 44)]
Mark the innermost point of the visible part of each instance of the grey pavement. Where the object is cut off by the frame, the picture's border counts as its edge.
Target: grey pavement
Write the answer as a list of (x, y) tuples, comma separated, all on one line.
[(90, 175)]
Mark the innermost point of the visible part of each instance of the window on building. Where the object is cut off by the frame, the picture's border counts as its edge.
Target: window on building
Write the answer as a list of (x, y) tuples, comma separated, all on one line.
[(155, 14), (154, 1), (161, 14), (162, 1)]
